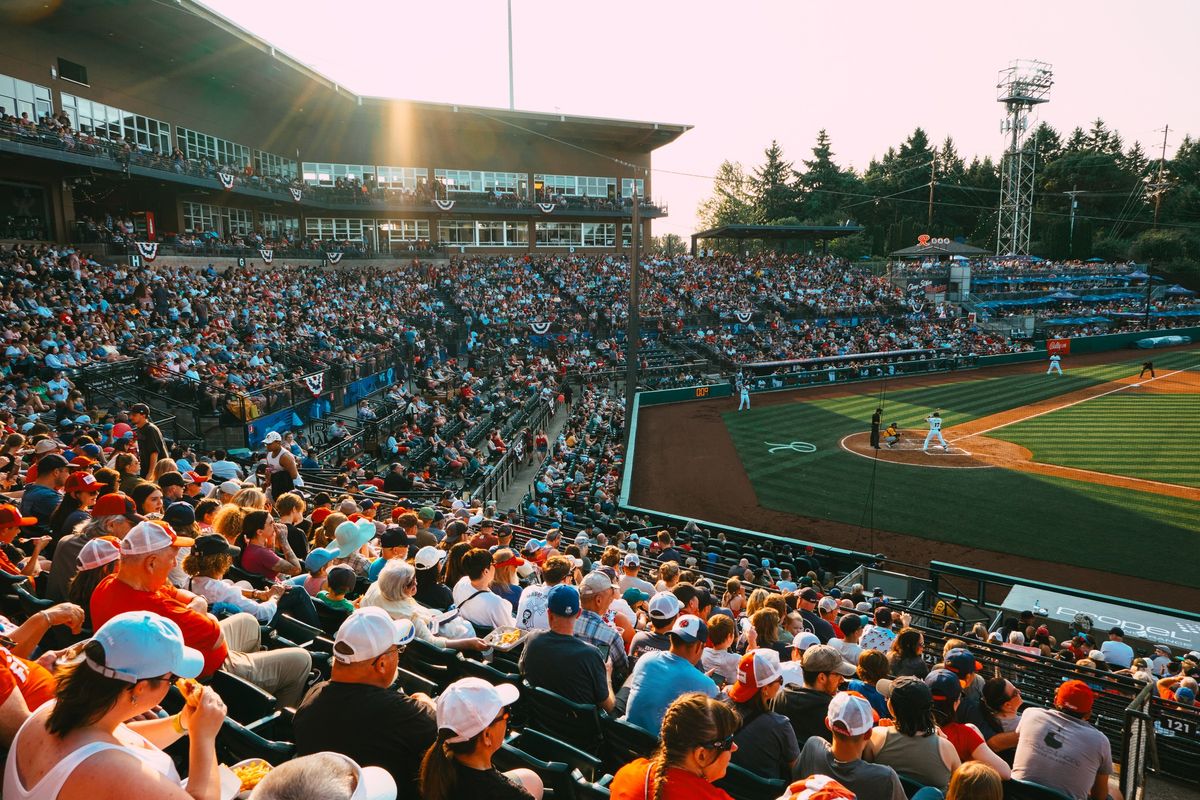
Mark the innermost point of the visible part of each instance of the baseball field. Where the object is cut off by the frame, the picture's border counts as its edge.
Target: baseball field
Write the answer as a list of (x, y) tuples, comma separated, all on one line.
[(1079, 478)]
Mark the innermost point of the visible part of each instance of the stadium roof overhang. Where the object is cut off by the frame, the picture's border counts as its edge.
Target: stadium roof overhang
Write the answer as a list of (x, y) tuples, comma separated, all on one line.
[(187, 37), (944, 250), (776, 232)]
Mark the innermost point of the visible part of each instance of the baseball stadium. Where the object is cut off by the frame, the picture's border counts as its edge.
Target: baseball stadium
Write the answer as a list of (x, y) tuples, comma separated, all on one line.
[(366, 448)]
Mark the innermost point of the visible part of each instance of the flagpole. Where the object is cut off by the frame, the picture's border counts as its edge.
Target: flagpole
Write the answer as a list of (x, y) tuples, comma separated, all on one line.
[(511, 103)]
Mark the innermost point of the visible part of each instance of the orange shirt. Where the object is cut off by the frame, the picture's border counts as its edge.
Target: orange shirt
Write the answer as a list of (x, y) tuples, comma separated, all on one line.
[(630, 784), (35, 682), (200, 631)]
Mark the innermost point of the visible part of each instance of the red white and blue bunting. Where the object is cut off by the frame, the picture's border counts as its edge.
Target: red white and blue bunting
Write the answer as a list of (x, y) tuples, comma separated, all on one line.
[(540, 328), (147, 250), (226, 179), (333, 258), (545, 208), (315, 383), (267, 255), (444, 205), (296, 193)]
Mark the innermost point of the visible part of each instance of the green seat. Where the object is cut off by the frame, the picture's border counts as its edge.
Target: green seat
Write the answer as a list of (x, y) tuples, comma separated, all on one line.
[(574, 723), (1028, 790), (742, 784), (547, 748)]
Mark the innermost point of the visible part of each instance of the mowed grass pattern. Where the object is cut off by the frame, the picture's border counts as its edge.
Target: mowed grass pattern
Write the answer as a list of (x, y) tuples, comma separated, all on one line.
[(1143, 436), (1061, 520)]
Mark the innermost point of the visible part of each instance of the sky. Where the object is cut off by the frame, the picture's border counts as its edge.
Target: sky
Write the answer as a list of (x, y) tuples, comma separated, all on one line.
[(745, 73)]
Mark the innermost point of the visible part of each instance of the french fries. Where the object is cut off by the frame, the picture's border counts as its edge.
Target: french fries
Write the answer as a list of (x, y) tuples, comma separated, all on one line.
[(250, 774)]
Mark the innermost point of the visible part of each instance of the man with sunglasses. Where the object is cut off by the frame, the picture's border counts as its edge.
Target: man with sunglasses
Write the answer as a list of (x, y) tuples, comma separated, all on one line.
[(357, 714)]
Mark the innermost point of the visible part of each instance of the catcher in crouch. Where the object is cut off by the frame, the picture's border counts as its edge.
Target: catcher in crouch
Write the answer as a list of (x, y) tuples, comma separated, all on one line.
[(891, 435)]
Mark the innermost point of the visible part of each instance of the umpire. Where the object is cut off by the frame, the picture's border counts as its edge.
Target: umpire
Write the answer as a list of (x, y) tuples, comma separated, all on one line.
[(875, 427)]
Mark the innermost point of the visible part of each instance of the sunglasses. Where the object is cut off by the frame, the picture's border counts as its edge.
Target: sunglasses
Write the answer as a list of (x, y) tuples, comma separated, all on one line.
[(723, 744), (504, 715)]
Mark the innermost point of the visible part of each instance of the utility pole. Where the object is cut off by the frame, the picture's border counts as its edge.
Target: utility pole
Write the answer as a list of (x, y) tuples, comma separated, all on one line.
[(932, 180), (1159, 186), (1074, 205), (511, 102), (633, 332)]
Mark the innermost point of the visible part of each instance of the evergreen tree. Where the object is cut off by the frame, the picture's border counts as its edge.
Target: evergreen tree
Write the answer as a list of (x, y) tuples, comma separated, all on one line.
[(824, 187), (771, 186), (731, 202)]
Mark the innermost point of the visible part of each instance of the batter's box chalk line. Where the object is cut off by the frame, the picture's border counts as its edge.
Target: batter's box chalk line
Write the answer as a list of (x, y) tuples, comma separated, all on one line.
[(795, 447), (934, 449)]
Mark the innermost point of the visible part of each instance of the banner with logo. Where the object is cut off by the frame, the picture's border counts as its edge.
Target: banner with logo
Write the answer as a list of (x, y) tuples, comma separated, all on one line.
[(147, 250), (1060, 347), (226, 179), (267, 255)]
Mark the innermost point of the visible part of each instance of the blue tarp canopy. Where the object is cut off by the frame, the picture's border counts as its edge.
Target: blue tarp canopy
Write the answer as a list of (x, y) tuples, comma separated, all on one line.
[(1077, 321), (1180, 291), (1064, 296)]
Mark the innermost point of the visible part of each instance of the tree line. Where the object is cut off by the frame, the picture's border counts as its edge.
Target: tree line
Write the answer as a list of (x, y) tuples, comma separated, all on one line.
[(1130, 205)]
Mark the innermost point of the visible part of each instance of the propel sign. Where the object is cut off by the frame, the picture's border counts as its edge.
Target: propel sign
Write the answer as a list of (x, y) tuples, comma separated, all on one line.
[(924, 240)]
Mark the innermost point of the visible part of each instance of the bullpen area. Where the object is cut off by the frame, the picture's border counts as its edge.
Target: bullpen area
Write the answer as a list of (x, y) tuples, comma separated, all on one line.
[(1090, 478)]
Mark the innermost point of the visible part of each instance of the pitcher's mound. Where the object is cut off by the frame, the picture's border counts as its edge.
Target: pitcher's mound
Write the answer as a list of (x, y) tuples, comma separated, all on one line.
[(974, 452)]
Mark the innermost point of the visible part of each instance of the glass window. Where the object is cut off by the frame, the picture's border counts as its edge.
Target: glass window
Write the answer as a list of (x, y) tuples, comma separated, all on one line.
[(559, 234), (145, 133), (335, 228), (196, 145), (269, 165), (465, 180), (627, 235), (627, 187), (456, 232), (516, 233), (403, 231), (237, 221), (599, 234), (19, 97), (401, 177), (277, 225), (199, 217)]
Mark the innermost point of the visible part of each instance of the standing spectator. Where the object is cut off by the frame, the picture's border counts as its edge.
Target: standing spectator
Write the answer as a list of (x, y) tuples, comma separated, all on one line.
[(150, 442), (807, 706), (695, 746), (660, 678), (913, 747), (357, 713), (42, 497), (850, 719), (555, 659), (766, 743), (1059, 748)]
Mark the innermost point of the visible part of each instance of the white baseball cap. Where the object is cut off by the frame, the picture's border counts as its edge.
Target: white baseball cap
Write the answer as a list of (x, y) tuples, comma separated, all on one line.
[(632, 560), (664, 605), (272, 437), (805, 640), (758, 668), (429, 557), (230, 487), (827, 604), (471, 704), (97, 553), (368, 633), (140, 644), (852, 712), (150, 537)]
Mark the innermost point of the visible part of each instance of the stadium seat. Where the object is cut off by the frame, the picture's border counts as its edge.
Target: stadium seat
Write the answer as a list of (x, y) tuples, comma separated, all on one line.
[(413, 683), (911, 785), (470, 668), (547, 748), (295, 631), (331, 618), (237, 742), (556, 776), (742, 784), (235, 574), (573, 723), (1028, 790), (586, 790), (625, 742), (245, 701)]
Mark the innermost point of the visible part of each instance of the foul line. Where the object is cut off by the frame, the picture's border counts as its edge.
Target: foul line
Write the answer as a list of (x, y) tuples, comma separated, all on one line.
[(1068, 405)]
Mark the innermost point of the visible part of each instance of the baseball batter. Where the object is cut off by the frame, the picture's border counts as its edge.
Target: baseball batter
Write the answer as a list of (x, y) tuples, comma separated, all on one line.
[(1055, 364), (935, 430)]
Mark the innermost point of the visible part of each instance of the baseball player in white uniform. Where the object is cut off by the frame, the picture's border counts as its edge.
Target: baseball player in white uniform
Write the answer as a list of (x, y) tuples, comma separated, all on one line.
[(935, 430), (744, 395), (1055, 364)]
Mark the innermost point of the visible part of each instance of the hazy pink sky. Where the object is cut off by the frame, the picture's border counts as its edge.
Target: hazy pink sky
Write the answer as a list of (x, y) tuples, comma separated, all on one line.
[(744, 73)]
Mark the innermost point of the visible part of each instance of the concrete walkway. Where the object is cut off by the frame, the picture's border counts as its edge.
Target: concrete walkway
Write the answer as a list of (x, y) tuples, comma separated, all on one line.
[(511, 497)]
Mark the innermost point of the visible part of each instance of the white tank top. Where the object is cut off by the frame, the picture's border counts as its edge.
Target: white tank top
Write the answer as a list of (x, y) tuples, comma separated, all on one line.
[(54, 780), (273, 461)]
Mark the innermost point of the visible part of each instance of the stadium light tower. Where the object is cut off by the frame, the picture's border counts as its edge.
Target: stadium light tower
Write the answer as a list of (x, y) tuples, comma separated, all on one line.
[(1023, 84)]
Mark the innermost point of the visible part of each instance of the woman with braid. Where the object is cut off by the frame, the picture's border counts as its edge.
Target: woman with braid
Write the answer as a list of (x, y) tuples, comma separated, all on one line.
[(694, 750)]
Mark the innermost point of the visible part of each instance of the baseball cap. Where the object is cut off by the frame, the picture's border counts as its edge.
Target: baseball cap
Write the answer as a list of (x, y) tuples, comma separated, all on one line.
[(850, 713), (425, 513), (823, 658), (1162, 648), (180, 514), (804, 640), (139, 644), (819, 787), (168, 479), (1184, 694), (758, 668), (139, 408), (910, 692), (850, 623), (809, 595), (961, 662), (469, 705), (631, 560), (233, 487), (98, 552), (582, 539), (150, 537), (563, 600), (196, 478), (213, 544), (634, 595), (368, 633), (944, 685), (827, 604), (595, 583), (46, 446), (47, 464), (1075, 696), (319, 557), (81, 481), (1098, 656), (272, 437), (690, 628), (505, 557), (393, 536), (429, 557), (10, 515), (664, 605), (116, 505)]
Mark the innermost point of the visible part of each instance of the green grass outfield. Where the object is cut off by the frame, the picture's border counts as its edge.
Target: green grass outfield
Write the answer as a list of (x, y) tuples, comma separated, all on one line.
[(1101, 527)]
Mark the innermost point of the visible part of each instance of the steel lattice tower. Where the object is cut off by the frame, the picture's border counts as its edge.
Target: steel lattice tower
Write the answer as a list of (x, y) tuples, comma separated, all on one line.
[(1021, 85)]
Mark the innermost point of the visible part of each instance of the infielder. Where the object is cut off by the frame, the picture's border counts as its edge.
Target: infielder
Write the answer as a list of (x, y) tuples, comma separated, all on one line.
[(1055, 365), (1147, 366), (935, 430), (744, 402)]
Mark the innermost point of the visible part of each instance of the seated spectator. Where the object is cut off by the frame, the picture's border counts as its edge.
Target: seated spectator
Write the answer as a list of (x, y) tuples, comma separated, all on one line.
[(473, 596), (596, 593), (260, 536), (12, 560), (967, 741), (663, 609), (850, 719), (393, 544), (211, 557), (339, 582), (357, 713), (629, 575), (806, 706), (531, 610), (872, 668), (84, 741), (42, 496), (148, 553), (851, 627), (764, 632), (696, 744), (79, 495), (556, 660), (716, 658), (905, 655), (975, 780), (98, 559), (25, 685), (766, 743), (395, 591), (325, 776), (661, 677), (913, 747), (997, 715), (431, 591), (504, 583), (879, 635), (472, 716), (1059, 748)]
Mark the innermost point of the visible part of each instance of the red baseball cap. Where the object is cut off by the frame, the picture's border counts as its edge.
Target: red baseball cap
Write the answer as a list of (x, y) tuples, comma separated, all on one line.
[(116, 505), (319, 515), (10, 515), (194, 478), (82, 481), (1075, 696)]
